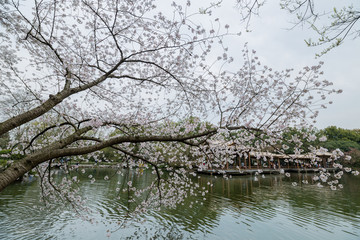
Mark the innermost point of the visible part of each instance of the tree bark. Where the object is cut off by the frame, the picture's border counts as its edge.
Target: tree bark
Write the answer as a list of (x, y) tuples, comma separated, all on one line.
[(56, 150)]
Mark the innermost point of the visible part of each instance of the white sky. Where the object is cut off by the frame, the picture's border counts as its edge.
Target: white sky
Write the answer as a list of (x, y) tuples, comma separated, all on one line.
[(281, 48)]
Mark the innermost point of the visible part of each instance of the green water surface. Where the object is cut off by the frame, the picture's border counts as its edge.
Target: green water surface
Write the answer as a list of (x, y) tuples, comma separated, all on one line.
[(238, 208)]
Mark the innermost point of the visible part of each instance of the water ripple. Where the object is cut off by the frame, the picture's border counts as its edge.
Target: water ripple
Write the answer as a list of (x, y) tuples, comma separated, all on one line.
[(239, 208)]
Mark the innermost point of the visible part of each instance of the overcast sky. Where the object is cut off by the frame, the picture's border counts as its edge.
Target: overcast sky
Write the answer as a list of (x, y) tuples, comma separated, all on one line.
[(281, 48)]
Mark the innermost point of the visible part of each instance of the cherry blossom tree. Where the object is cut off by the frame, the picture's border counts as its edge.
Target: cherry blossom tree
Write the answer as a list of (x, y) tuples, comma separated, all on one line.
[(156, 83)]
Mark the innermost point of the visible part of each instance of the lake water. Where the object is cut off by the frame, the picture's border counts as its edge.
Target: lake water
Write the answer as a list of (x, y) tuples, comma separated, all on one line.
[(238, 208)]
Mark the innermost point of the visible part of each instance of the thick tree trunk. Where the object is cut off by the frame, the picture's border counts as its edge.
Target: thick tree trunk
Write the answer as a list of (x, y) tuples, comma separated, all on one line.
[(15, 171), (20, 167), (49, 104), (19, 120), (58, 149)]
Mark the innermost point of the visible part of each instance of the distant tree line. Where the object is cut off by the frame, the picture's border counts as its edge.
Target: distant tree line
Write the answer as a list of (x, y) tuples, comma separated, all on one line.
[(348, 141)]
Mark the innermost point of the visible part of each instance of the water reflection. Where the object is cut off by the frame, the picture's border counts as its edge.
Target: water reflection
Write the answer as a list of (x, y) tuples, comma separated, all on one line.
[(237, 208)]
